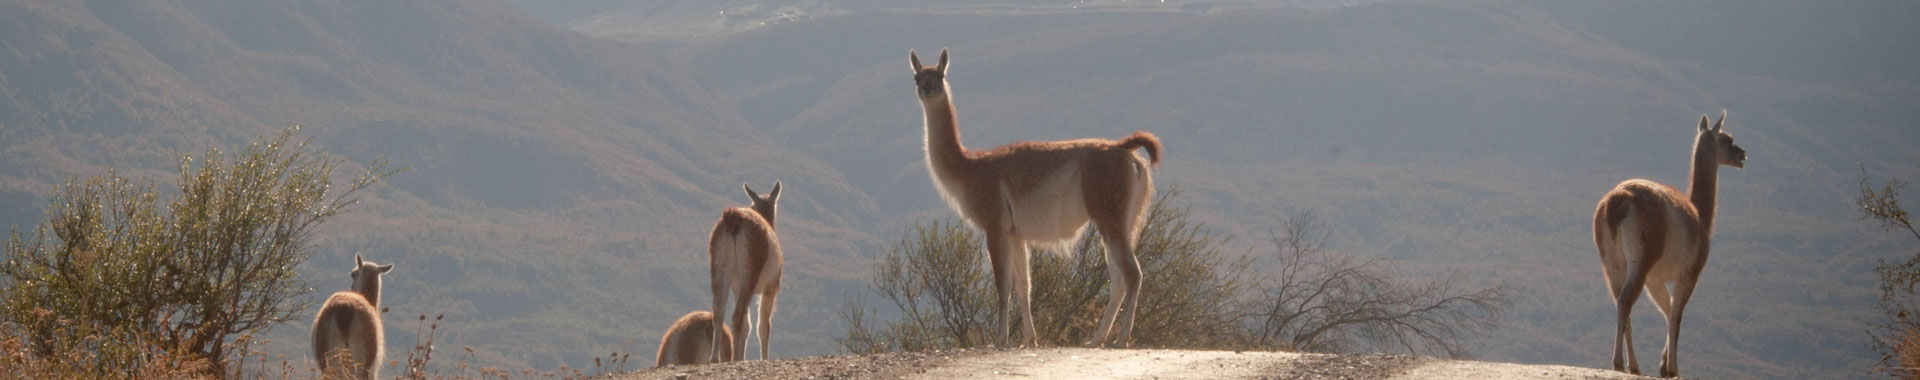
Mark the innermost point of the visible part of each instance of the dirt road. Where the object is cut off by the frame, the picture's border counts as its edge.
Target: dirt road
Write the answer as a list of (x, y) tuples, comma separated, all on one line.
[(1081, 363)]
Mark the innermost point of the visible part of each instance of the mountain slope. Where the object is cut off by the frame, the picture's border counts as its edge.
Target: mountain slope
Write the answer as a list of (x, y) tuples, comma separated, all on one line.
[(1469, 137), (561, 186)]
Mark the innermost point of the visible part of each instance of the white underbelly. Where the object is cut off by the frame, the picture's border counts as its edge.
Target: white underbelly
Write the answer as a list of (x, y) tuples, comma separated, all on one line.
[(1053, 210)]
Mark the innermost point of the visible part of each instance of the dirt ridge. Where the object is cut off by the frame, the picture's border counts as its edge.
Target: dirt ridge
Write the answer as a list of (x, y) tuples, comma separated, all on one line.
[(1086, 363)]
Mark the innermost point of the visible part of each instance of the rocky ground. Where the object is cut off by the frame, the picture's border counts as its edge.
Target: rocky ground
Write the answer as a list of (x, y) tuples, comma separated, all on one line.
[(1081, 363)]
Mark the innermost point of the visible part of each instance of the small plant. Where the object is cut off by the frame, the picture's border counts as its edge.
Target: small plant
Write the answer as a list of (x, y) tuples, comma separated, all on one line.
[(860, 338), (422, 351), (615, 362), (1898, 337)]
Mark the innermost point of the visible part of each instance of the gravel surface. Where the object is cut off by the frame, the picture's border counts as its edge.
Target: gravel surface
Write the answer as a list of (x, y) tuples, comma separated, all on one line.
[(883, 366), (1079, 363), (1083, 363)]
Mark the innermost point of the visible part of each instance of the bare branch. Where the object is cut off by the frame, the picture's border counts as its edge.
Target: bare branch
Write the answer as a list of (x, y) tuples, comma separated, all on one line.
[(1326, 301)]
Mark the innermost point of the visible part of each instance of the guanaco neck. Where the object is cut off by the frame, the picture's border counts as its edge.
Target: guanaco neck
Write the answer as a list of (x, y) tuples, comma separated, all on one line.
[(944, 152), (371, 292), (1703, 180)]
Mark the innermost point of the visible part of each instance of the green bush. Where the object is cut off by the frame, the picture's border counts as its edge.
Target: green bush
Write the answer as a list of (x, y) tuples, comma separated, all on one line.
[(115, 273)]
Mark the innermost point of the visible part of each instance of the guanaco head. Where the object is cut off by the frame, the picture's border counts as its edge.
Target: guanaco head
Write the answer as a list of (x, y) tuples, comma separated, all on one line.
[(932, 81), (764, 205), (366, 278), (1720, 142)]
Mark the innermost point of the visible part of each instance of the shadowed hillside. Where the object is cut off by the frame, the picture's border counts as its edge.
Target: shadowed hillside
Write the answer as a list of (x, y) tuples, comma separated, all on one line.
[(562, 185)]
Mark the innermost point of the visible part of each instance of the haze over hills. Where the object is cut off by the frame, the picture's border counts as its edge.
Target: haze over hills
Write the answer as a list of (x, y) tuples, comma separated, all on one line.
[(1471, 137), (553, 174), (562, 185)]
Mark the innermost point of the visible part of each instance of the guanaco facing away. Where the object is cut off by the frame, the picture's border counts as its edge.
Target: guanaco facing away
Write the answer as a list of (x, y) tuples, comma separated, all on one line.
[(744, 257), (1650, 235), (1041, 193), (348, 340)]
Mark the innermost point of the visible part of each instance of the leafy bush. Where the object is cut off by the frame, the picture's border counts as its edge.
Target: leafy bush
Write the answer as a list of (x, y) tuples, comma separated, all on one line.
[(121, 280)]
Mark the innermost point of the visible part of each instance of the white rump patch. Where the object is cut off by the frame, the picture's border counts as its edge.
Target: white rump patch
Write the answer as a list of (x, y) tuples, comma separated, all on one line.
[(1627, 246), (731, 255)]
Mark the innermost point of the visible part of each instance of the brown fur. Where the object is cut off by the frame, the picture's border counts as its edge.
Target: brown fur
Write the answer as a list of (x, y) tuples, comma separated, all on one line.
[(689, 341), (1656, 218), (758, 273), (762, 240), (1114, 188), (1142, 139), (348, 339)]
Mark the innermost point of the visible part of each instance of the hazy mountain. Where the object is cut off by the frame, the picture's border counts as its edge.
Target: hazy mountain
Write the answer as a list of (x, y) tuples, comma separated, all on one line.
[(679, 21), (1463, 137), (562, 185), (562, 12)]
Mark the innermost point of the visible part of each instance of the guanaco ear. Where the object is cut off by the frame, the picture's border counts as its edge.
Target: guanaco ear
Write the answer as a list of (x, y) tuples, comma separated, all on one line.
[(915, 59), (1722, 122), (775, 194), (386, 268), (943, 62), (750, 193), (357, 262), (1703, 123)]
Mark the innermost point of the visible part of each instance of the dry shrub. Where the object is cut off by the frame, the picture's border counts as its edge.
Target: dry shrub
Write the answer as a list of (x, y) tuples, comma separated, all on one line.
[(1194, 295), (1897, 337), (19, 362), (1187, 296)]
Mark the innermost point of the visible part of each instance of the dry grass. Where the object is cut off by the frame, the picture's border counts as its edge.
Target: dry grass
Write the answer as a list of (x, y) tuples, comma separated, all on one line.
[(18, 361), (1905, 361)]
